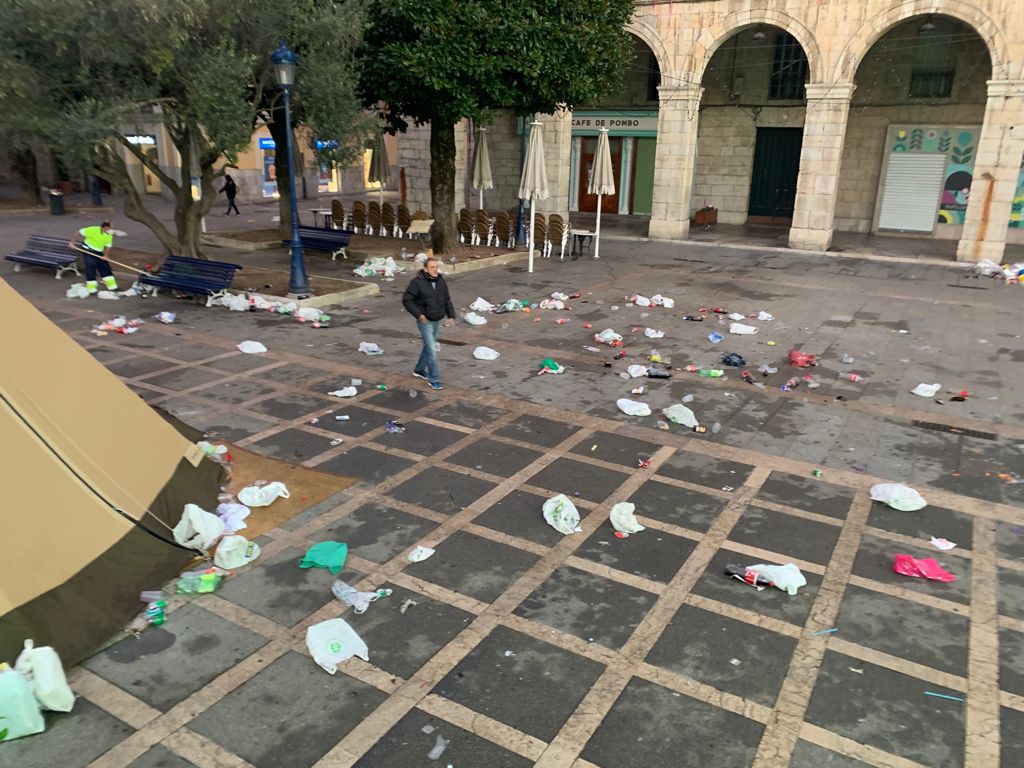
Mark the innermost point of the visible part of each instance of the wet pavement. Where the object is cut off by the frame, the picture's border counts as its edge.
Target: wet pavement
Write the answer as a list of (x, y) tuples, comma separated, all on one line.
[(523, 647)]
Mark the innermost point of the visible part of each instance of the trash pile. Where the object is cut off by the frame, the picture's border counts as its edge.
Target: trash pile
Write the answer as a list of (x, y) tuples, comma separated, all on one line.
[(253, 302), (1010, 273), (35, 683), (381, 266), (119, 324)]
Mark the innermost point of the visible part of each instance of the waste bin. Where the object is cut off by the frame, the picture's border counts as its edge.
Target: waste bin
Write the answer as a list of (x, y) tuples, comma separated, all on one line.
[(56, 202)]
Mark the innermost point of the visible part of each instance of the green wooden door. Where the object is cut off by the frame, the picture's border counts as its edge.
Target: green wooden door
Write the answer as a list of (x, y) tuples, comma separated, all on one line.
[(776, 166)]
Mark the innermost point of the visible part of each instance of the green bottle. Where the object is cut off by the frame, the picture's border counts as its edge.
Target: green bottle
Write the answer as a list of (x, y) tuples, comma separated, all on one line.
[(710, 373)]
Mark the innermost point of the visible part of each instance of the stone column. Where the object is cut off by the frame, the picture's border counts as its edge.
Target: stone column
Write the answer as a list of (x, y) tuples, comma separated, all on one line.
[(821, 156), (674, 161), (557, 151), (996, 167)]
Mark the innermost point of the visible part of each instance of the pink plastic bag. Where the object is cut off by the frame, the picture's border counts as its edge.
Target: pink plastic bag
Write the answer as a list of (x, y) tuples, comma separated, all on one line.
[(923, 568), (802, 359)]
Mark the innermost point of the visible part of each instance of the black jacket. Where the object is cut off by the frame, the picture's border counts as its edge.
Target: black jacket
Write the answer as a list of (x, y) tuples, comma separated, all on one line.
[(229, 188), (427, 296)]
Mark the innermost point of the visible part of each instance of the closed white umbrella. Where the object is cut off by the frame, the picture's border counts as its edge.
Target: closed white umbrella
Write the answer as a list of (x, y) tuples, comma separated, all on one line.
[(380, 165), (482, 178), (602, 181), (534, 184)]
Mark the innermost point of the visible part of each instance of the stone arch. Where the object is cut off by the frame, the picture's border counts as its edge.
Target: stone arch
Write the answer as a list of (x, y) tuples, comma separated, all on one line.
[(711, 38), (650, 36), (869, 33)]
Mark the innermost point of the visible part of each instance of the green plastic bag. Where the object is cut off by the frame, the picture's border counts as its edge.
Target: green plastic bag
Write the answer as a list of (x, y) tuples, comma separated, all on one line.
[(19, 711), (327, 554)]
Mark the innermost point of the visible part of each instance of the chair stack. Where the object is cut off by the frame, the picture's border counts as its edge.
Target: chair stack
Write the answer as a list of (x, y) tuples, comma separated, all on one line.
[(338, 219), (387, 221), (504, 230), (373, 218), (358, 216), (402, 221), (557, 234)]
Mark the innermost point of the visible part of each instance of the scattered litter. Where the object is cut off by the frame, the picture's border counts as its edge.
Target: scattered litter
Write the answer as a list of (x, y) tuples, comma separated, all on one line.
[(234, 552), (714, 337), (263, 495), (609, 337), (198, 529), (165, 317), (509, 654), (474, 319), (547, 365), (119, 324), (825, 632), (636, 371), (943, 544), (405, 606), (370, 348), (650, 333), (332, 642), (680, 414), (657, 300), (765, 316), (847, 359), (359, 601), (802, 359), (623, 518), (440, 745), (419, 554), (379, 265), (636, 391), (551, 304), (943, 696), (640, 301), (687, 398), (767, 370), (394, 427), (201, 582), (858, 671), (233, 516), (344, 392), (481, 305), (926, 390), (326, 554), (728, 488), (512, 305), (735, 662), (921, 568), (633, 407), (356, 382), (733, 360), (42, 670), (561, 514), (743, 330), (898, 496), (559, 296), (428, 728), (77, 291), (787, 577), (22, 716), (736, 316), (251, 347), (485, 353)]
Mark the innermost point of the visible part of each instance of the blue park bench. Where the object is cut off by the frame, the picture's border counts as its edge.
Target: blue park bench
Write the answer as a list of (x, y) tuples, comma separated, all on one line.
[(199, 276), (50, 252), (334, 241)]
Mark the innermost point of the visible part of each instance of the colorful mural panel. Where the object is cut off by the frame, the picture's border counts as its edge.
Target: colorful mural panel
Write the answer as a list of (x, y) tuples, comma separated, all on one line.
[(1017, 207), (958, 144)]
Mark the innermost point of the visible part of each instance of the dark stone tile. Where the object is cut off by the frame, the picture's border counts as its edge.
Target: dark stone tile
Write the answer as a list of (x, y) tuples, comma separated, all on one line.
[(282, 591), (138, 365), (1009, 540), (71, 740), (441, 490), (678, 506), (1011, 592), (401, 400), (925, 635), (807, 493), (588, 606), (466, 414), (705, 646), (269, 720), (643, 729), (424, 439), (538, 431), (495, 684), (160, 757), (1011, 741), (365, 464), (616, 449), (240, 362), (295, 445), (167, 664), (189, 353), (473, 565), (875, 557), (227, 425), (293, 375), (807, 755), (569, 476), (184, 378), (108, 352), (652, 554), (401, 643), (311, 513), (496, 458), (1011, 661), (520, 514), (235, 391), (145, 393), (787, 535), (714, 584), (930, 521), (290, 406), (701, 469), (406, 746), (359, 421), (888, 710), (378, 533)]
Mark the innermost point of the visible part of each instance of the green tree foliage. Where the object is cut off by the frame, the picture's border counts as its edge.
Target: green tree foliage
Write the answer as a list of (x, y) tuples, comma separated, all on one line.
[(81, 76), (438, 61)]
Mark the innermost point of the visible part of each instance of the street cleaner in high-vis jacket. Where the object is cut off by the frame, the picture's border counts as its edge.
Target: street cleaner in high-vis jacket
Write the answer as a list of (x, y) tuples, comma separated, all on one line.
[(95, 248)]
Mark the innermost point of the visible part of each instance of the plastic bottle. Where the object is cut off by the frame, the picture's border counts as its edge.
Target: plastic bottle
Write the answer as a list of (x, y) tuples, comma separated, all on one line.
[(691, 368), (710, 373), (655, 373), (853, 377), (694, 318), (749, 576)]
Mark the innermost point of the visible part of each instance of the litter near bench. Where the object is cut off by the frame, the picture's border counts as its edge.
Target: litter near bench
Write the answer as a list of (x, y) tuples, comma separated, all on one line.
[(251, 347), (898, 496), (921, 568), (332, 642), (370, 348), (119, 324), (623, 518), (379, 265), (561, 514), (633, 407), (787, 577)]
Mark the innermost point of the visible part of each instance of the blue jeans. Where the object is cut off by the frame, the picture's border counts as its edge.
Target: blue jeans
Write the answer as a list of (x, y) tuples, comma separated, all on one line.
[(427, 364)]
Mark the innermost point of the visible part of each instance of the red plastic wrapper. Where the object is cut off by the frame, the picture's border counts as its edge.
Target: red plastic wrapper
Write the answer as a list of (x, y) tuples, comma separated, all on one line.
[(802, 359), (923, 568)]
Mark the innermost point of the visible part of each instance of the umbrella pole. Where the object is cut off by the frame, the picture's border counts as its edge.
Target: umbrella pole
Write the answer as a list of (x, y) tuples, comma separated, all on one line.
[(533, 223), (481, 198), (597, 229)]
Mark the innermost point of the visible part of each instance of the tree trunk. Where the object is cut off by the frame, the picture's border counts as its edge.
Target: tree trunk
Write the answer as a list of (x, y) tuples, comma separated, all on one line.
[(111, 166), (442, 185), (24, 164), (279, 132)]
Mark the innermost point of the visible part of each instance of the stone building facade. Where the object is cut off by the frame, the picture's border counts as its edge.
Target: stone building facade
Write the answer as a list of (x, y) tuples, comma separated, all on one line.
[(887, 116)]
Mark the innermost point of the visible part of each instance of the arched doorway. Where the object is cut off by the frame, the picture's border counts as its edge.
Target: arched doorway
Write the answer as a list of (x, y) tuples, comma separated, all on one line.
[(750, 130)]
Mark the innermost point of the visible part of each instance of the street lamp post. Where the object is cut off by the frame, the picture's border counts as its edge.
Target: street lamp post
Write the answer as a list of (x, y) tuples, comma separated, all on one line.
[(284, 70)]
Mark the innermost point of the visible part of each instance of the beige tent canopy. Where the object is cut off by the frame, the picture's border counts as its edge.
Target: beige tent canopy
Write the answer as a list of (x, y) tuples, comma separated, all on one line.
[(94, 479)]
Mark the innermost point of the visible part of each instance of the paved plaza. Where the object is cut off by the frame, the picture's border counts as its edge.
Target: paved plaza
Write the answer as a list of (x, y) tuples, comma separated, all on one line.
[(520, 646)]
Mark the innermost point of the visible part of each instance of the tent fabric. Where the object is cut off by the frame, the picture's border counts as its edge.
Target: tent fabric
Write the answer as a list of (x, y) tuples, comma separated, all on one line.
[(482, 177), (602, 178), (96, 481), (534, 183), (380, 164)]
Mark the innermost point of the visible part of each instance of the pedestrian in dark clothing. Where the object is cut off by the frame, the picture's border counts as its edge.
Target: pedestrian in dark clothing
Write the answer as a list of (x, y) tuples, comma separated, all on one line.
[(230, 190), (427, 299)]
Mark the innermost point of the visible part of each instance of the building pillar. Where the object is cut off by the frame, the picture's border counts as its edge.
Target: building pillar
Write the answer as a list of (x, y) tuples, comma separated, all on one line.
[(996, 167), (557, 154), (821, 157), (674, 160)]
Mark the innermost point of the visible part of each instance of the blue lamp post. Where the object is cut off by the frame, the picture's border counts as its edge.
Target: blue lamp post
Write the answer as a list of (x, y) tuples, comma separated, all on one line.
[(284, 71)]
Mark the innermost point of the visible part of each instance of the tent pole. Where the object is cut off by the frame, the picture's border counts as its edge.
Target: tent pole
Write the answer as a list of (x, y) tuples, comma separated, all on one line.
[(533, 223), (597, 229)]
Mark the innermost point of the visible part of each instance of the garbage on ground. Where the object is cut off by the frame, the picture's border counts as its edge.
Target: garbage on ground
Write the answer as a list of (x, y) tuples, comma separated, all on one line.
[(657, 300), (715, 337), (680, 414), (636, 371), (512, 305), (847, 359), (633, 407), (107, 296), (165, 317), (733, 359), (156, 607), (742, 329), (233, 516), (42, 669), (379, 265), (552, 304), (651, 333), (120, 324), (22, 715), (198, 529), (344, 392), (485, 353), (326, 554), (256, 495), (419, 554), (640, 301), (474, 319), (332, 642), (767, 370), (802, 359), (944, 544), (736, 316), (623, 518), (440, 745), (358, 601), (765, 316), (481, 304), (251, 347), (898, 496), (786, 577), (77, 291), (609, 337), (406, 605), (561, 514), (211, 449), (710, 373), (394, 427), (547, 365), (921, 568), (199, 582), (926, 390), (370, 348), (658, 373), (234, 552)]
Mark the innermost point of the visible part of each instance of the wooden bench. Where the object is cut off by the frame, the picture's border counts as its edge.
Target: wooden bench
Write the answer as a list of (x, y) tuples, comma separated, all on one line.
[(334, 241), (50, 252), (199, 276)]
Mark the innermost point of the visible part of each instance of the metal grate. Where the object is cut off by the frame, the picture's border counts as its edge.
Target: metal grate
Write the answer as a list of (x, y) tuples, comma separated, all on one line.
[(955, 430)]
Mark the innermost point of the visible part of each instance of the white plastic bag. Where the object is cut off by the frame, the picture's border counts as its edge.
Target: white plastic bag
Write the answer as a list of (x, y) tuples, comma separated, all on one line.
[(308, 313), (18, 707), (233, 516), (42, 669), (632, 407), (481, 305), (485, 353), (623, 518), (237, 303), (765, 316), (562, 515), (263, 495), (358, 601), (987, 267), (251, 347), (898, 496), (370, 348), (107, 295), (786, 577), (474, 319), (607, 336), (198, 529), (344, 392), (680, 414), (332, 642), (234, 552), (641, 301), (668, 303), (636, 371), (559, 296), (77, 291), (741, 329), (737, 316), (420, 553), (651, 333), (926, 390), (552, 304)]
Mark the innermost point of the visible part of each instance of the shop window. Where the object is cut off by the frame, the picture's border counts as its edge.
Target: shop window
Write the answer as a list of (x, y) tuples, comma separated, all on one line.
[(931, 83), (789, 69), (653, 78)]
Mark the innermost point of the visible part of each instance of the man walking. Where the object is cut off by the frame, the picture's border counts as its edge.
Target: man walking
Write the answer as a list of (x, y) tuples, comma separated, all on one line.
[(427, 299), (95, 248), (230, 189)]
